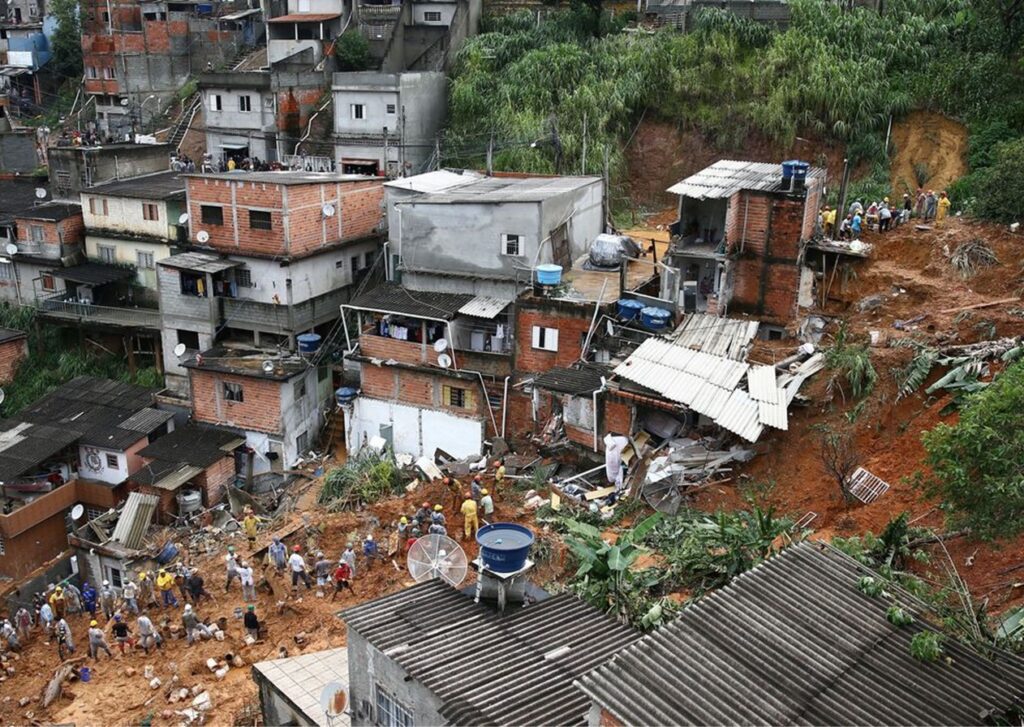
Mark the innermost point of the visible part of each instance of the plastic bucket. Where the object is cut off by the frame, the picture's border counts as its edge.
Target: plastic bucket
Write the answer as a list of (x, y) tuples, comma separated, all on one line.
[(85, 674), (549, 274), (167, 553)]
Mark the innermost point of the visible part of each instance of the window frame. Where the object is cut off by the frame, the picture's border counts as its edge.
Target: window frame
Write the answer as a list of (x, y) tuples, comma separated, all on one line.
[(108, 458), (216, 102), (543, 338), (36, 233), (301, 443), (299, 389), (106, 254), (144, 260), (47, 282), (151, 211), (265, 223), (358, 111), (391, 109), (233, 392), (427, 16), (209, 209), (388, 711), (99, 203), (243, 278), (245, 104), (458, 397), (508, 237)]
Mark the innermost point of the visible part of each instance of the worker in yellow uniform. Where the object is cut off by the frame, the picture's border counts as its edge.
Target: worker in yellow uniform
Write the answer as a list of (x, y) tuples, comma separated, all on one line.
[(943, 208), (165, 584), (499, 473), (250, 524), (472, 524)]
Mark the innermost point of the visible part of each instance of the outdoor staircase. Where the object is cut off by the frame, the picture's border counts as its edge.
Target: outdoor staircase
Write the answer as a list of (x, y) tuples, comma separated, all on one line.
[(184, 121)]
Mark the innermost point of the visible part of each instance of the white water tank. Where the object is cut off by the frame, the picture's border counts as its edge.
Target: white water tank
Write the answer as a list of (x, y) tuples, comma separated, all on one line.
[(189, 501)]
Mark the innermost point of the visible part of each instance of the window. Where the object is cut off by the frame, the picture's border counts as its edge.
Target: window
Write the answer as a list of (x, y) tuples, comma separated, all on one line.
[(3, 546), (299, 389), (211, 215), (91, 72), (112, 461), (579, 412), (150, 212), (189, 338), (108, 73), (245, 103), (6, 271), (243, 277), (339, 264), (355, 264), (115, 576), (432, 16), (215, 102), (233, 392), (302, 443), (511, 244), (391, 108), (367, 259), (545, 339), (260, 220), (98, 206), (107, 253), (37, 233), (144, 260), (459, 398), (390, 713), (47, 282), (106, 16), (193, 284), (91, 513), (358, 111)]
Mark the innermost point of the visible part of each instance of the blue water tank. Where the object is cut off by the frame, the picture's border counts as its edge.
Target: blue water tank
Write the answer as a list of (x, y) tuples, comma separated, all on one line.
[(787, 169), (549, 274), (345, 394), (168, 553), (629, 309), (655, 318), (504, 547), (308, 342)]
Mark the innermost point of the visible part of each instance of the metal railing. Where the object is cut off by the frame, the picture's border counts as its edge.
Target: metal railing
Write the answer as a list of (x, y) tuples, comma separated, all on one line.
[(56, 307), (276, 317)]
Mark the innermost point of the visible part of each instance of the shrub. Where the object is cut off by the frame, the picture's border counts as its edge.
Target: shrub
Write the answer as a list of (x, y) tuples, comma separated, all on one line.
[(352, 51), (1001, 185)]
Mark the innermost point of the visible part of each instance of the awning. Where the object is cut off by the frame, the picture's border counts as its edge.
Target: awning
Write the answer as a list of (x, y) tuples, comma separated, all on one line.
[(199, 262), (484, 307), (93, 273), (177, 478), (240, 15), (304, 18)]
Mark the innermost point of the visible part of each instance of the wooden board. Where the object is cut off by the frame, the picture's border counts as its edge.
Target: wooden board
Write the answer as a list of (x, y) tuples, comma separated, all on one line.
[(600, 492)]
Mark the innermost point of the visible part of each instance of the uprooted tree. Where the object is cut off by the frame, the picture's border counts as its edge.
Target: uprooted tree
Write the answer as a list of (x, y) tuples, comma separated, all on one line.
[(839, 456)]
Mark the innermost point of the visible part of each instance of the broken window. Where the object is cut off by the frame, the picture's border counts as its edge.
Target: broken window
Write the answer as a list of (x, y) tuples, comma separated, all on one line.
[(233, 392), (511, 244), (579, 412), (211, 215), (260, 220), (545, 339), (299, 389)]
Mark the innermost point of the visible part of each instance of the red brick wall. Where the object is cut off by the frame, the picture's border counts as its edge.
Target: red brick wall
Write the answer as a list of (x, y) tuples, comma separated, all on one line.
[(814, 202), (750, 222), (419, 389), (572, 324), (519, 421), (259, 410), (168, 505), (30, 549), (766, 281), (607, 719), (69, 230), (618, 416), (215, 479), (11, 354)]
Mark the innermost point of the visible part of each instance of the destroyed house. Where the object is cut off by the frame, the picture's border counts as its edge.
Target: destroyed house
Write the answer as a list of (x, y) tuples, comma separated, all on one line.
[(108, 545), (429, 655), (738, 244), (796, 641), (432, 367)]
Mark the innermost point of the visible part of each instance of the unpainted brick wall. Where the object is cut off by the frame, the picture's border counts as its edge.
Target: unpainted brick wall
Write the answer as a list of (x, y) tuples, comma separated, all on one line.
[(259, 410), (418, 389), (215, 479), (12, 353), (572, 325)]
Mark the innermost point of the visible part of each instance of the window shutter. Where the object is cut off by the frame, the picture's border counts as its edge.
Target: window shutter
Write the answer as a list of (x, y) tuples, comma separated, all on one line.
[(470, 399), (536, 336), (552, 339), (446, 395)]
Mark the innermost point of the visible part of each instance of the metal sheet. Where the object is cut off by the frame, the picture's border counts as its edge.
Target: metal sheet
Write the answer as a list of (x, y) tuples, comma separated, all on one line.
[(774, 414), (484, 307), (761, 383), (135, 519)]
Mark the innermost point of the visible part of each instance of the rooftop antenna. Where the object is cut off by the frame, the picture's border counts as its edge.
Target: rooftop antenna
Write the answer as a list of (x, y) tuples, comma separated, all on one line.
[(40, 192), (328, 210), (437, 556), (77, 511)]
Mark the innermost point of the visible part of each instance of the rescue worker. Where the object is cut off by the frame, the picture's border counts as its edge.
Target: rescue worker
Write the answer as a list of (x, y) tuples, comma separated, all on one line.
[(23, 622), (231, 564), (195, 585), (89, 598), (250, 524), (122, 633), (475, 488), (349, 557), (252, 622), (65, 642), (148, 635), (437, 517), (10, 635), (165, 584), (57, 603), (278, 554), (73, 596), (245, 575), (370, 551), (403, 528), (469, 514), (437, 529), (453, 487), (194, 627), (487, 504), (413, 537), (322, 570), (147, 590), (342, 579), (46, 618), (422, 516), (499, 473), (930, 205), (298, 567), (108, 599), (130, 595), (98, 641), (942, 208)]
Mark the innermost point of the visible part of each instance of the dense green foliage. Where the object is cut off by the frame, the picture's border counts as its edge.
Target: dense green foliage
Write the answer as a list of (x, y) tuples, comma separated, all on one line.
[(51, 363), (352, 51), (366, 477), (67, 40), (999, 187), (545, 91), (851, 362), (976, 463)]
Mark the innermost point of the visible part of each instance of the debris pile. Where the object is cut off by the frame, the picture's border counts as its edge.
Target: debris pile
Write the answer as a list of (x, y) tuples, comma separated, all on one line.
[(688, 464)]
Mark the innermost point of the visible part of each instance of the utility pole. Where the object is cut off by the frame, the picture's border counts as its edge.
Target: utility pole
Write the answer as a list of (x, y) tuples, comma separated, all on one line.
[(490, 156), (841, 205), (385, 151), (607, 195), (584, 163)]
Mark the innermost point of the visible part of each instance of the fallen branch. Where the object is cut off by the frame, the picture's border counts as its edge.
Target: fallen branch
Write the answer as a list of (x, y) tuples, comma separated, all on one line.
[(1002, 301), (54, 688)]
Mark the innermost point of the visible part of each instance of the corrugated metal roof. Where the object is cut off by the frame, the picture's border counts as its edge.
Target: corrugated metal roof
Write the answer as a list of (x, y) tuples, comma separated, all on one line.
[(728, 337), (794, 641), (491, 669), (146, 420), (761, 383), (508, 189), (740, 416), (726, 177), (199, 262), (134, 520), (484, 307), (774, 414)]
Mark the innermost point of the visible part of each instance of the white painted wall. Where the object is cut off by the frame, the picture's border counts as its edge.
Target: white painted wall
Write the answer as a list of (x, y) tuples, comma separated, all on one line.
[(416, 431), (310, 277), (300, 415), (125, 215), (127, 252), (93, 465)]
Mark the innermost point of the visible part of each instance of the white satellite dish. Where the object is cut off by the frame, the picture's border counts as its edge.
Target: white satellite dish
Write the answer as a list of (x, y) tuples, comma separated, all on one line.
[(268, 367), (3, 395), (334, 699), (77, 511), (440, 345), (328, 210), (183, 218), (203, 236), (11, 248), (180, 349), (437, 556), (444, 361), (40, 192)]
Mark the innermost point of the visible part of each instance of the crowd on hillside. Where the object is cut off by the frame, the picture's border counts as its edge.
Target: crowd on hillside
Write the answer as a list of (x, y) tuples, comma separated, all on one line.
[(884, 216)]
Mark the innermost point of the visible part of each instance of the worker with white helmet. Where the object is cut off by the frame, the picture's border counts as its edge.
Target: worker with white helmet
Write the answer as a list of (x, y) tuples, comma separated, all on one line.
[(108, 599), (322, 569)]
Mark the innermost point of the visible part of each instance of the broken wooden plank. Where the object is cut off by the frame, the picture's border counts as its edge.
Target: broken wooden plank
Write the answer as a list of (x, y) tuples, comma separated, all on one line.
[(1001, 301), (556, 501), (600, 492)]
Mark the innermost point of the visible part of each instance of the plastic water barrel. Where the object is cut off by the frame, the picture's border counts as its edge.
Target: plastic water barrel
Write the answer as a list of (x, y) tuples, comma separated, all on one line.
[(549, 274), (504, 547), (629, 308), (167, 553), (344, 395), (800, 170), (189, 501), (655, 318), (787, 169), (85, 674), (308, 342)]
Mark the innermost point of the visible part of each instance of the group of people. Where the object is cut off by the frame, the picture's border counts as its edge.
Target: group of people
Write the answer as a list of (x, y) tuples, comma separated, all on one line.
[(476, 502), (883, 216)]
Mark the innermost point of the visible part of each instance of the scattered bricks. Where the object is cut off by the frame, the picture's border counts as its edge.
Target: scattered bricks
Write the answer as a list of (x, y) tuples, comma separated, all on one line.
[(129, 672), (24, 701), (211, 664), (155, 683)]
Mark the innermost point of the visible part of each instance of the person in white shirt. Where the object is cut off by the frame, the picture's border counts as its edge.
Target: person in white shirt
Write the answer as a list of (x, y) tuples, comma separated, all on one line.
[(298, 567)]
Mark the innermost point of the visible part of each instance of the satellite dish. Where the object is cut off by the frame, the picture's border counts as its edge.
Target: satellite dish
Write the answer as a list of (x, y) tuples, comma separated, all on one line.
[(11, 249), (437, 556), (203, 236), (440, 345), (77, 511), (334, 699), (183, 218), (328, 210), (179, 350), (3, 395), (444, 361), (124, 102), (40, 192), (268, 367)]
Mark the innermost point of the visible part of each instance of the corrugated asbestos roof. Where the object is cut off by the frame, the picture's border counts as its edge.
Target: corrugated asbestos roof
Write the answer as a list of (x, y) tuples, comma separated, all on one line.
[(193, 444), (24, 446), (392, 298), (728, 337), (726, 177), (583, 380), (200, 262), (484, 307), (794, 641), (507, 189), (134, 520), (488, 669)]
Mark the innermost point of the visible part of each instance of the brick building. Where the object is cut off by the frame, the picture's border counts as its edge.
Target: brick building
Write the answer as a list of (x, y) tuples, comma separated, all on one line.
[(48, 238), (13, 350), (738, 245)]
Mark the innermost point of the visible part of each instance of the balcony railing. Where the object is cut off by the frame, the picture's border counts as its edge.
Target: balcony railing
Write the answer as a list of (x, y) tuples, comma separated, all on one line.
[(378, 13), (56, 307), (274, 317)]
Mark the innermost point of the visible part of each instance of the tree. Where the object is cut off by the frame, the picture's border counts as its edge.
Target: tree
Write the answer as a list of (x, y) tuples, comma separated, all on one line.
[(1000, 189), (839, 457), (352, 51), (67, 39), (976, 464)]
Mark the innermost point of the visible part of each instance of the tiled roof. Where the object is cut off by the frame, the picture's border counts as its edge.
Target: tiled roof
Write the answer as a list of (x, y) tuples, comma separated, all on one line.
[(301, 679), (193, 444), (489, 669), (795, 641)]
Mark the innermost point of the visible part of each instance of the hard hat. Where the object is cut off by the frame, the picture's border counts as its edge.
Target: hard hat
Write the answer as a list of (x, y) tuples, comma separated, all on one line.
[(106, 583), (296, 549), (59, 590), (319, 554), (348, 545), (885, 199), (483, 491), (438, 508), (469, 495), (251, 607), (404, 520), (93, 623), (245, 564), (370, 536), (163, 572), (188, 606), (117, 617), (416, 531)]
